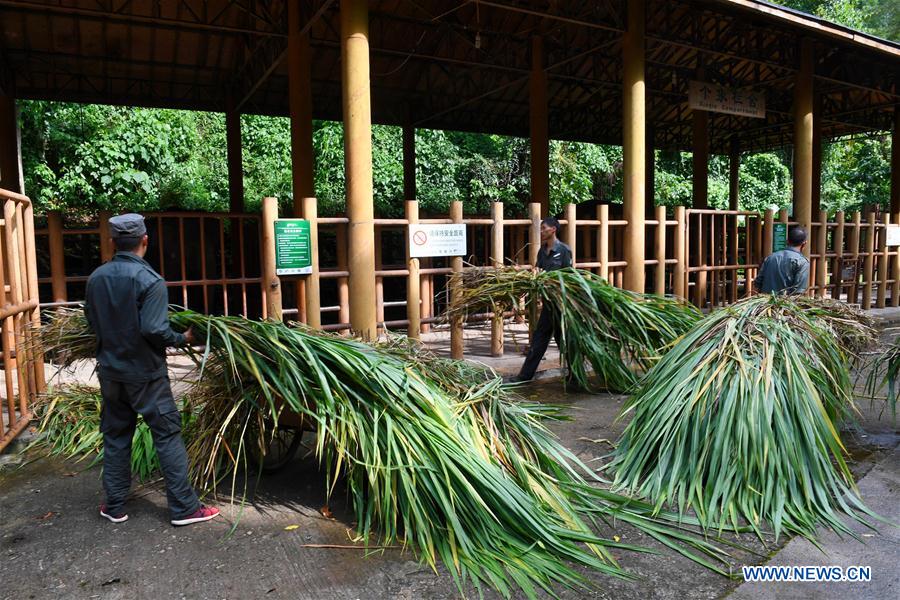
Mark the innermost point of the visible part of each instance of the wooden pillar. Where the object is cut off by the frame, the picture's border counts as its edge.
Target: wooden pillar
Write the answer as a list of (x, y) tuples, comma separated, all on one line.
[(235, 161), (837, 266), (539, 128), (883, 262), (57, 256), (534, 246), (816, 183), (106, 245), (700, 172), (358, 164), (409, 162), (768, 234), (680, 275), (379, 280), (634, 146), (413, 281), (300, 101), (271, 283), (571, 237), (497, 262), (821, 242), (343, 282), (855, 238), (660, 280), (650, 185), (803, 139), (313, 297), (895, 204), (10, 147), (456, 263), (895, 165), (534, 232), (603, 240), (734, 170), (868, 261)]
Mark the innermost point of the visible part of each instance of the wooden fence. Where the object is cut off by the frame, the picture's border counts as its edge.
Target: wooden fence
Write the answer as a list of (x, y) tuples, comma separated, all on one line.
[(212, 261), (23, 365)]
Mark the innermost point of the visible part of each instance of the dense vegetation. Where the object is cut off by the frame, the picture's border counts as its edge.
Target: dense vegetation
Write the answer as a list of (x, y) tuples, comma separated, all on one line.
[(85, 157)]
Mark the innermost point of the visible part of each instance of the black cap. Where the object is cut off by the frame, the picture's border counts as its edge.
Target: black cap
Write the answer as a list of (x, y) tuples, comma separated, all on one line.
[(129, 225)]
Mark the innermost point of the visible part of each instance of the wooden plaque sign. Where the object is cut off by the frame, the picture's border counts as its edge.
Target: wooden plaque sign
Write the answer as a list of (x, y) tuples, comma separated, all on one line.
[(715, 98)]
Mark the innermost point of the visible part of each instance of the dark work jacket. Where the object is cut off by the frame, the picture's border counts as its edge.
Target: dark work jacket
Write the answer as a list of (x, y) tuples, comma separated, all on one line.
[(127, 306), (559, 257), (785, 272)]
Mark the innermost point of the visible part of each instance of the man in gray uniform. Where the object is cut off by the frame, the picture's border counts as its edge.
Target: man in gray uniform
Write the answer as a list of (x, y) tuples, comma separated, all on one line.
[(786, 271), (553, 255), (127, 308)]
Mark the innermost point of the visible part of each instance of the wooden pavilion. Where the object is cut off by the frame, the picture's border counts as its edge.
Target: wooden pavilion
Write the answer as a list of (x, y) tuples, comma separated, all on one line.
[(606, 71)]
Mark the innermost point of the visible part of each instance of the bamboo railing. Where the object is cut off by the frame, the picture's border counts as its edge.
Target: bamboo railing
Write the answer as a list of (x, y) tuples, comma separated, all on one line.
[(710, 257), (23, 365)]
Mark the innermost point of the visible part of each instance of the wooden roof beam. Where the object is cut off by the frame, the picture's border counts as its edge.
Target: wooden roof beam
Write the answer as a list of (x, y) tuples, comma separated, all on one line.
[(131, 19)]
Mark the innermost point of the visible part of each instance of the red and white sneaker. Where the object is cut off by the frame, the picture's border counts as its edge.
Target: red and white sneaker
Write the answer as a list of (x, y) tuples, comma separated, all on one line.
[(204, 513), (120, 518)]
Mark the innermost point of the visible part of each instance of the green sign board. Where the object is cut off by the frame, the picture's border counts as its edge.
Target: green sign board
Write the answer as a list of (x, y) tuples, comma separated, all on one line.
[(779, 237), (293, 255)]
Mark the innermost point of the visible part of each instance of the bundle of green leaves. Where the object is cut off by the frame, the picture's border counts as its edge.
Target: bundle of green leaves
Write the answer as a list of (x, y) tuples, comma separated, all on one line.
[(619, 333), (739, 420)]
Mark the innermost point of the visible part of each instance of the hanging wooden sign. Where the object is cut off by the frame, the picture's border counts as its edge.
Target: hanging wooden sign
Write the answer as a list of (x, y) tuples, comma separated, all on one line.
[(703, 95)]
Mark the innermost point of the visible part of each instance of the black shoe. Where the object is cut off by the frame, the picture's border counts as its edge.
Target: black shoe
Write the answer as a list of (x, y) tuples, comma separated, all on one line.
[(515, 379)]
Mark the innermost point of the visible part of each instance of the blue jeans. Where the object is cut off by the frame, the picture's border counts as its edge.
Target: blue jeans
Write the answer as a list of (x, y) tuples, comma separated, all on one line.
[(153, 400)]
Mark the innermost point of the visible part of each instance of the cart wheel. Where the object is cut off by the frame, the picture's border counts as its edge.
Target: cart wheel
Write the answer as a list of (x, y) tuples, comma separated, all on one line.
[(281, 450)]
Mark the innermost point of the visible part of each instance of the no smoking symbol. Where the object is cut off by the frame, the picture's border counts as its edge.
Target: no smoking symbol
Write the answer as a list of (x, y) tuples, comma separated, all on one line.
[(420, 238)]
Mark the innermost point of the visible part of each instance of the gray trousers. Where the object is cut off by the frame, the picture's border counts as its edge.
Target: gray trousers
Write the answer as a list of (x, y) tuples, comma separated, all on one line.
[(153, 400)]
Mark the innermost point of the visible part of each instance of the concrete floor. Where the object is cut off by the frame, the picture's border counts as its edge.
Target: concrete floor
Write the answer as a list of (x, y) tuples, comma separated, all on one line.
[(54, 545)]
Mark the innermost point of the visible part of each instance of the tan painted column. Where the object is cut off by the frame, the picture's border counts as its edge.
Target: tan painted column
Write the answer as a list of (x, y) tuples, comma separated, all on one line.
[(456, 263), (497, 263), (634, 146), (358, 164), (300, 101), (313, 302), (235, 164), (271, 283), (803, 139), (413, 281), (540, 141), (10, 147)]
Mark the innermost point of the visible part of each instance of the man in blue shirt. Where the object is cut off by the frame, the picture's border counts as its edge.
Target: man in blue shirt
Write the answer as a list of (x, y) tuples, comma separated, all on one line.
[(126, 305), (785, 271)]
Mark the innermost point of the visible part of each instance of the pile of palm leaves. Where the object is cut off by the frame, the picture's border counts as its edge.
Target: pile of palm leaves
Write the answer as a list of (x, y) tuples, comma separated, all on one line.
[(619, 333), (451, 468), (739, 419), (69, 426)]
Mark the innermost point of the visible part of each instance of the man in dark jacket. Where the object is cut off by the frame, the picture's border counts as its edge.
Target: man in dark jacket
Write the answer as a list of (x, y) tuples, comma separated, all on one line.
[(127, 308), (553, 255), (785, 271)]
